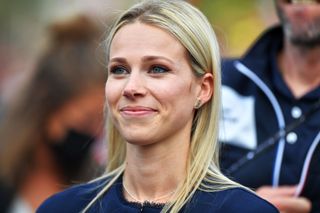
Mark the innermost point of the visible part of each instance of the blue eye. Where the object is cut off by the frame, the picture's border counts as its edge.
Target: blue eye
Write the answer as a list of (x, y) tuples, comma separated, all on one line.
[(118, 70), (159, 69)]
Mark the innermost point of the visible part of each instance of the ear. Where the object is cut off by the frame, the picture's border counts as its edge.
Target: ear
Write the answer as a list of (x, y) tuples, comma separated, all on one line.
[(206, 88)]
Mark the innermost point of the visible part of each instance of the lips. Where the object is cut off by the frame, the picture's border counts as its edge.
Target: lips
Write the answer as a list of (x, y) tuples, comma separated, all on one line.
[(137, 111)]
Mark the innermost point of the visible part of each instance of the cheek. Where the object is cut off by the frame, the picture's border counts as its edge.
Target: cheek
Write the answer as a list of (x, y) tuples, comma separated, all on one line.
[(112, 93), (174, 91)]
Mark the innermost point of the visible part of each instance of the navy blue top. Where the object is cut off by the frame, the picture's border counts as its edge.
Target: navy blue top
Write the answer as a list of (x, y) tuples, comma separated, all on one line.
[(77, 198)]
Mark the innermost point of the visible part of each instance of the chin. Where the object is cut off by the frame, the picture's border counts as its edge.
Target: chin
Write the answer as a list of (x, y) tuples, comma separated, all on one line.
[(137, 138), (139, 141)]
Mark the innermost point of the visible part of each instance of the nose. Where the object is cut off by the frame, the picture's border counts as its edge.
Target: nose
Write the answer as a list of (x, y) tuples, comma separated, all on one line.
[(135, 86)]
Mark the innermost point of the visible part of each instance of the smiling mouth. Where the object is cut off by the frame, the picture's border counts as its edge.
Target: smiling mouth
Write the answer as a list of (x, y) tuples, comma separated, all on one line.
[(137, 111)]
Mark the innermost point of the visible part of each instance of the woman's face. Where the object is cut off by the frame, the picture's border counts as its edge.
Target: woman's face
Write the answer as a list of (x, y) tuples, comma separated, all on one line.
[(151, 90)]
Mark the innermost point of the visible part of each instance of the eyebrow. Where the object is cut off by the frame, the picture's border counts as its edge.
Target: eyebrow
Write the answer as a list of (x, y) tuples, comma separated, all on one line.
[(151, 58), (118, 59), (144, 58)]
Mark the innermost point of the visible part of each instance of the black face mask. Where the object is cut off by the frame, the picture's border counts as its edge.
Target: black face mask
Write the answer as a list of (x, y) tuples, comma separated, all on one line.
[(72, 153)]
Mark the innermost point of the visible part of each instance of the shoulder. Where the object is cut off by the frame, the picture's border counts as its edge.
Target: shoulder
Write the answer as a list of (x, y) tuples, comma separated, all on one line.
[(229, 201), (74, 199), (235, 199)]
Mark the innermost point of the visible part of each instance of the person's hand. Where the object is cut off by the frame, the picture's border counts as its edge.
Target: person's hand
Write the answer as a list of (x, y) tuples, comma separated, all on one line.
[(284, 200)]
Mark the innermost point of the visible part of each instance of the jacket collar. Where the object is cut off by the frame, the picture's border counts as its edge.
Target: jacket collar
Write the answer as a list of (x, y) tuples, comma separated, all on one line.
[(261, 55), (261, 58)]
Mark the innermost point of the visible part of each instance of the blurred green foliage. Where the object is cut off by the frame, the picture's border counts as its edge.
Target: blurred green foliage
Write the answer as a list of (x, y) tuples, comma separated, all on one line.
[(17, 21), (15, 9), (237, 22)]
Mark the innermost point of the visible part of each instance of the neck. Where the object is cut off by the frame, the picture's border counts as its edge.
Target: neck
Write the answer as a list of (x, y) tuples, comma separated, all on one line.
[(300, 68), (153, 173)]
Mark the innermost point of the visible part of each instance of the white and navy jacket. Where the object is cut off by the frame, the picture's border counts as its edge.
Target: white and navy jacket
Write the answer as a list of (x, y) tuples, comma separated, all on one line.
[(257, 104)]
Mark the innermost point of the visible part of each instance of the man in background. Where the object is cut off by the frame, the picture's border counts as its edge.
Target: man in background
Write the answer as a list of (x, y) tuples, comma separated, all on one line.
[(270, 127)]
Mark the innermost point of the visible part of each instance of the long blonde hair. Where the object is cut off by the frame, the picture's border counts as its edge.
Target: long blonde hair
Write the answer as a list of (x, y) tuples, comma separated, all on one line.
[(195, 33)]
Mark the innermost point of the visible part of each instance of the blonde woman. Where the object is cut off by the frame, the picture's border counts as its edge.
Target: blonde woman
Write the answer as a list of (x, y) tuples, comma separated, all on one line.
[(162, 97)]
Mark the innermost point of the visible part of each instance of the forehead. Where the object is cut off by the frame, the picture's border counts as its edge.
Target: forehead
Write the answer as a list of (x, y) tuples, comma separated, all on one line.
[(137, 36)]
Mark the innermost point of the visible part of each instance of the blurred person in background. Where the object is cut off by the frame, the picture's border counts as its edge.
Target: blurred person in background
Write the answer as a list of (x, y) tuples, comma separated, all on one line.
[(51, 126), (271, 111)]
